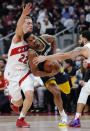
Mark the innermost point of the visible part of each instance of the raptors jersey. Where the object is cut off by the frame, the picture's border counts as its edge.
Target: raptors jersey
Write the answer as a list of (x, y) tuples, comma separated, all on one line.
[(17, 64)]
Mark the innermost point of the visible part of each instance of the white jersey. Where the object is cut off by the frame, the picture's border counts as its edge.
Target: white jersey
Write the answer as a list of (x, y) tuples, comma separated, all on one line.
[(88, 45), (17, 64)]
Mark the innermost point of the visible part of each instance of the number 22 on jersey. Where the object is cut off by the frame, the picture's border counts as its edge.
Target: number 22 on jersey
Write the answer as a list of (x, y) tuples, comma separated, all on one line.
[(23, 59)]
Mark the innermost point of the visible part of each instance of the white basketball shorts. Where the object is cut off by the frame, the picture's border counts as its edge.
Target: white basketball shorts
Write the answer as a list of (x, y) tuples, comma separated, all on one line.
[(14, 86)]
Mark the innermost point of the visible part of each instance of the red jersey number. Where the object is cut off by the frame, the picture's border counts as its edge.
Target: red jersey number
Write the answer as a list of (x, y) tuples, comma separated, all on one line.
[(23, 59)]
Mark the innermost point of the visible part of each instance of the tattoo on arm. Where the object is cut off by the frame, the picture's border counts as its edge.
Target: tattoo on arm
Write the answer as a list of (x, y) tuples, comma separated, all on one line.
[(76, 51)]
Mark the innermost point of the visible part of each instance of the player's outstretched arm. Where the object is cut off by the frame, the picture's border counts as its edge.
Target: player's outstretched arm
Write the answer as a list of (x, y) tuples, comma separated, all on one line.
[(34, 68), (26, 11), (79, 51)]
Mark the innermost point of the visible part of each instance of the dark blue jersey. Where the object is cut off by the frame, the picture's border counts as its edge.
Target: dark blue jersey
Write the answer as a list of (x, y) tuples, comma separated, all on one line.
[(47, 49)]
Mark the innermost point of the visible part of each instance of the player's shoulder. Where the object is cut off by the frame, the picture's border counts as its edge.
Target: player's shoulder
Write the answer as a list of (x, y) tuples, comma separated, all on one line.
[(16, 39), (47, 36)]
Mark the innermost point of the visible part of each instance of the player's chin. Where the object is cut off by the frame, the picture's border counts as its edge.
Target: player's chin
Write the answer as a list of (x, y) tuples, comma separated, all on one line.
[(30, 29)]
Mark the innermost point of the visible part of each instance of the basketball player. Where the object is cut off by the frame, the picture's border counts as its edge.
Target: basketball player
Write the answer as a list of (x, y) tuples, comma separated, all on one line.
[(17, 72), (79, 51), (45, 45)]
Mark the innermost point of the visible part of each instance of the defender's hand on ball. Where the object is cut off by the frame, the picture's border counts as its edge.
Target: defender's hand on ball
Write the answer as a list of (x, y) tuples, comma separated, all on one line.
[(39, 59)]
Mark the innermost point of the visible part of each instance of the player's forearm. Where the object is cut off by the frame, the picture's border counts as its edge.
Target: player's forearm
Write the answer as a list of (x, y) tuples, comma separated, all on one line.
[(21, 20), (19, 24), (63, 56)]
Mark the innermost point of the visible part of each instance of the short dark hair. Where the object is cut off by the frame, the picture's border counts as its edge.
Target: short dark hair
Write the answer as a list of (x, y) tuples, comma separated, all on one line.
[(26, 35), (70, 62), (86, 34)]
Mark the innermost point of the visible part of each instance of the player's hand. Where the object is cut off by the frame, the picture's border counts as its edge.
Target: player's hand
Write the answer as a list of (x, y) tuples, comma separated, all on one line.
[(27, 9), (82, 83), (39, 59)]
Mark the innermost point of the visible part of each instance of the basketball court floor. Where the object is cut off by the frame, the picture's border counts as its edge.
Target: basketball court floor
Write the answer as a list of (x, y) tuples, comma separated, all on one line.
[(42, 123)]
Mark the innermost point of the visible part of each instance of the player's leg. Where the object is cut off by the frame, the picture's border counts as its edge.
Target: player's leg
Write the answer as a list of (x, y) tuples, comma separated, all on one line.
[(28, 89), (85, 92), (53, 88), (27, 101), (15, 96)]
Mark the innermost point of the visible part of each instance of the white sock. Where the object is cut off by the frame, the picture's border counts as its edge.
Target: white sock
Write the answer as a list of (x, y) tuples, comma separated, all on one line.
[(62, 113), (21, 115), (78, 115)]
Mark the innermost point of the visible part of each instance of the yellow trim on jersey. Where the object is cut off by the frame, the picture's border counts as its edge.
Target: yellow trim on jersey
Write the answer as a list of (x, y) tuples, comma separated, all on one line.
[(65, 87), (45, 41), (43, 45), (50, 82)]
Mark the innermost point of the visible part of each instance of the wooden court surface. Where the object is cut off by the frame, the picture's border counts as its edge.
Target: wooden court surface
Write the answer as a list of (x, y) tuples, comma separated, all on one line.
[(42, 123)]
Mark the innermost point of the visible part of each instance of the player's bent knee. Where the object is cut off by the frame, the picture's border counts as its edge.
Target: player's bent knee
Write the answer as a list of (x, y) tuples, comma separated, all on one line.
[(56, 92)]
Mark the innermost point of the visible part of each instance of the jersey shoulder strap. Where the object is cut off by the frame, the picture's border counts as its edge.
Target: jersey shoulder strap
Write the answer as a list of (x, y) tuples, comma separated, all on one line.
[(42, 40)]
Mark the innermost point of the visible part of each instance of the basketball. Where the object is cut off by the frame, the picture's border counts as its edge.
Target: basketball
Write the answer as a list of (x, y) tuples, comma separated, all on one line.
[(50, 65)]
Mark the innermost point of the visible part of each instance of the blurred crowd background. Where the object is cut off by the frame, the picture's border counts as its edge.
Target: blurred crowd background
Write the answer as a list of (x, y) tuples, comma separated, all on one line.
[(51, 17)]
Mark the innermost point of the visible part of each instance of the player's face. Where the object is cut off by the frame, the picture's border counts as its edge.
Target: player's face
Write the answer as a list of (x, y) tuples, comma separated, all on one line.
[(82, 40), (32, 42), (27, 25)]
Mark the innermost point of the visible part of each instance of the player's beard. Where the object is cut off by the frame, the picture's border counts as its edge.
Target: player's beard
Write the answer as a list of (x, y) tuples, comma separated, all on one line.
[(82, 44)]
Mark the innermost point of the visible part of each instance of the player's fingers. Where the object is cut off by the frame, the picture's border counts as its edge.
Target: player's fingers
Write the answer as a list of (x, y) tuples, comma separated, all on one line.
[(35, 61), (29, 5)]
